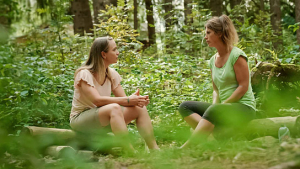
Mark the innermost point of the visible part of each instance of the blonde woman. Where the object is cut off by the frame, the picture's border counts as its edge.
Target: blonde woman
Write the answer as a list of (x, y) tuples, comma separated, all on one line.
[(233, 100), (93, 108)]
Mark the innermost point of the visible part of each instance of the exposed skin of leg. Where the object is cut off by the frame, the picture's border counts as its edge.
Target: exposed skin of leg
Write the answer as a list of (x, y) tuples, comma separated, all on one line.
[(112, 114), (193, 120), (143, 123), (203, 130)]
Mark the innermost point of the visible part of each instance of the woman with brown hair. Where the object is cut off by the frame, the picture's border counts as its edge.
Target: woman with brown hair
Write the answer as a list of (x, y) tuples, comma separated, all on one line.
[(93, 108), (233, 100)]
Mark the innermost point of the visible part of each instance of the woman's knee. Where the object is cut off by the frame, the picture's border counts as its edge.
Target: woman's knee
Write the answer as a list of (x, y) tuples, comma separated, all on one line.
[(183, 108), (115, 110), (138, 110)]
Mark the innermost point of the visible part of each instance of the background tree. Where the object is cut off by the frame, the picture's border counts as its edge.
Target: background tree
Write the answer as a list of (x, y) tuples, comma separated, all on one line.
[(150, 20), (216, 7), (135, 14), (187, 12), (168, 7), (262, 5), (276, 21), (97, 6), (297, 14), (82, 16), (233, 3), (114, 2)]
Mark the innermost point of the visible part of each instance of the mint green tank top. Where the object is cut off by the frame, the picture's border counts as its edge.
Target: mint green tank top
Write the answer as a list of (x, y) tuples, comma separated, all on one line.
[(225, 80)]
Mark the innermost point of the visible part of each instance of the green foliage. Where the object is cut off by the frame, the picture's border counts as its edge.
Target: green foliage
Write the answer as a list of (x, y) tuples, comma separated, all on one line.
[(189, 38), (114, 23), (36, 76)]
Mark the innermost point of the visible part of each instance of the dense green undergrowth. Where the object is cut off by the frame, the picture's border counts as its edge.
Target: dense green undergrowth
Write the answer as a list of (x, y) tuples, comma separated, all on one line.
[(36, 82)]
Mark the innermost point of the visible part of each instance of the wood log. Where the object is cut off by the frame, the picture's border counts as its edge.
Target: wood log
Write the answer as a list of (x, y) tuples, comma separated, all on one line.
[(279, 84), (60, 151), (69, 152), (85, 155), (270, 126), (39, 131), (46, 137)]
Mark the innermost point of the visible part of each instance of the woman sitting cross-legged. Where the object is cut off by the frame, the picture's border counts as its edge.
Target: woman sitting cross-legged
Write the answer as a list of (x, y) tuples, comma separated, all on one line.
[(93, 108), (233, 100)]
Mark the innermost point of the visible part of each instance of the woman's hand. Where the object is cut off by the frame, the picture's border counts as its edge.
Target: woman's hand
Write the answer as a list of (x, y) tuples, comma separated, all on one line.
[(135, 100), (144, 102), (147, 100)]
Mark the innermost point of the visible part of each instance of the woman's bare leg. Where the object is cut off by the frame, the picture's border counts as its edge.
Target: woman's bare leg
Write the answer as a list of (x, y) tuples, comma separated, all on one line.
[(143, 123), (112, 114), (202, 131), (193, 120)]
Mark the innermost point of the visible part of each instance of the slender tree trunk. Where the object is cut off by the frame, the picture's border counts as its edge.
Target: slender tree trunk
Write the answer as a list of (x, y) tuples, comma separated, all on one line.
[(276, 22), (4, 21), (187, 12), (168, 15), (151, 24), (97, 6), (262, 5), (233, 3), (297, 14), (114, 2), (135, 14), (216, 7), (83, 18)]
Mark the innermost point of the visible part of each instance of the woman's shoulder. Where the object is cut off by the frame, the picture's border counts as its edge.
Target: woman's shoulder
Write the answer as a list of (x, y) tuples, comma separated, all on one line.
[(113, 71), (84, 72), (237, 51), (85, 75)]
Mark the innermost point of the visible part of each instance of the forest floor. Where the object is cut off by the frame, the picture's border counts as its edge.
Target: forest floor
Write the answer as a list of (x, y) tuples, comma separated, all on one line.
[(261, 153)]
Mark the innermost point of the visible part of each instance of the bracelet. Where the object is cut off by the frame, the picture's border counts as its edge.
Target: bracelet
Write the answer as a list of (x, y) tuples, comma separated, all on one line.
[(128, 100)]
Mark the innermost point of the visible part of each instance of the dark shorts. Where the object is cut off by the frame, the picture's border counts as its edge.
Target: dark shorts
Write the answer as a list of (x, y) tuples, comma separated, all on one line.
[(228, 114)]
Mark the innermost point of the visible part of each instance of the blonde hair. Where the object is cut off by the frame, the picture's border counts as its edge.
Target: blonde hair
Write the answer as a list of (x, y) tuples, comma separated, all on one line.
[(95, 62), (224, 26)]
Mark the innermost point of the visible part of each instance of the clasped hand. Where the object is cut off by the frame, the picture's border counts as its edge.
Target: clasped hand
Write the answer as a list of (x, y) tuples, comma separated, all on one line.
[(137, 100)]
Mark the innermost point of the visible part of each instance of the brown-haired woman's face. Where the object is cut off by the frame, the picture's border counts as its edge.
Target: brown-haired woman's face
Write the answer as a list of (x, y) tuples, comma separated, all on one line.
[(111, 56), (211, 37)]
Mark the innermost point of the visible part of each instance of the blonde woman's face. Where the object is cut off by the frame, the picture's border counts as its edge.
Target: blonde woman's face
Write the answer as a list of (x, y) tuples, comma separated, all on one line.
[(111, 56), (212, 38)]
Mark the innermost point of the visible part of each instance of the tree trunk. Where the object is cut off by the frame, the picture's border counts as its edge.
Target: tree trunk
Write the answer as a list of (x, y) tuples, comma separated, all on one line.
[(262, 5), (82, 17), (114, 2), (297, 14), (233, 3), (168, 13), (151, 24), (97, 6), (135, 14), (216, 7), (187, 12), (276, 22)]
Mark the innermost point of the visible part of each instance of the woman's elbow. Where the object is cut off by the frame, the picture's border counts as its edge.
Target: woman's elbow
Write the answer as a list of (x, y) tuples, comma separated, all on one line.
[(97, 101), (244, 88)]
